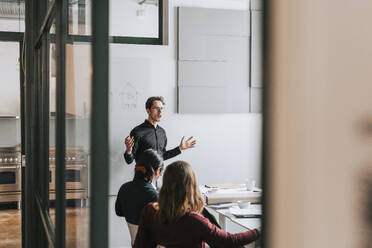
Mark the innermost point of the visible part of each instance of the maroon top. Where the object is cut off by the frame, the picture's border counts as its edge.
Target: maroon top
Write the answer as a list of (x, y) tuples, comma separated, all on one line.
[(189, 232)]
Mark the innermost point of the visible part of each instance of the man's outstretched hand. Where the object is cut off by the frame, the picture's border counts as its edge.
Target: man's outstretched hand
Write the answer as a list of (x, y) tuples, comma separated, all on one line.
[(186, 144)]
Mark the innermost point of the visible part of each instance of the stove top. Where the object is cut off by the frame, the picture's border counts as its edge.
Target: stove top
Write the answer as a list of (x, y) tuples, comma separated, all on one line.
[(10, 155)]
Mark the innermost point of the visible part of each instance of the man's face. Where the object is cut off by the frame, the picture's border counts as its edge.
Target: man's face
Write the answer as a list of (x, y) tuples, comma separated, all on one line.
[(156, 110)]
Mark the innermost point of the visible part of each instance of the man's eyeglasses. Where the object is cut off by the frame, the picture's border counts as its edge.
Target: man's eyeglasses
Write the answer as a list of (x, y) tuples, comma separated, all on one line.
[(158, 109)]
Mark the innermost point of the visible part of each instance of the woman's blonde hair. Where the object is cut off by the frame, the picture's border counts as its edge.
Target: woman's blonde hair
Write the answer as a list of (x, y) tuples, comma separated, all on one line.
[(179, 193)]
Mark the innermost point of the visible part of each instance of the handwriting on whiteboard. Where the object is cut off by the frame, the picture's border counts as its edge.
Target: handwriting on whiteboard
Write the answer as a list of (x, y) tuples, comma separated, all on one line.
[(129, 97)]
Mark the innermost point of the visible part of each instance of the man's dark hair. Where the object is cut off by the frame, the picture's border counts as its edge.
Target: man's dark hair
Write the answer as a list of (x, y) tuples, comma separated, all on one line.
[(152, 99), (148, 162)]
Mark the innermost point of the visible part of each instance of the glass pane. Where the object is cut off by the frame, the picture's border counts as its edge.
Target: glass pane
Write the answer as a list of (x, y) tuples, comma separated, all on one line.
[(52, 121), (78, 86), (138, 18), (12, 15), (79, 17), (134, 18), (10, 139)]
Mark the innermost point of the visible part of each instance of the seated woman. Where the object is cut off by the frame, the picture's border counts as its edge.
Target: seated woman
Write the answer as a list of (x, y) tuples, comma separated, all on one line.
[(175, 221), (136, 194)]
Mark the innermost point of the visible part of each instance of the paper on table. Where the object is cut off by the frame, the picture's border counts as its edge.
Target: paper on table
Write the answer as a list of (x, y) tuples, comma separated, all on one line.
[(232, 195), (222, 205), (225, 186), (246, 212)]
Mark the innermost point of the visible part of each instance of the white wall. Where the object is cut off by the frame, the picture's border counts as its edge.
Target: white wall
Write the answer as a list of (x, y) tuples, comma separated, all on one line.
[(228, 145)]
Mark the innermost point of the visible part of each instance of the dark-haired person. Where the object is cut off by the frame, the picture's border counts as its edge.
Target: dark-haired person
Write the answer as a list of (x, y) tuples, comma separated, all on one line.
[(175, 221), (150, 135), (136, 194)]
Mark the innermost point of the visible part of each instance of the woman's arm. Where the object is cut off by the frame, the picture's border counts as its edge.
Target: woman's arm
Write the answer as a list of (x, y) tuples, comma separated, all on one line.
[(216, 237)]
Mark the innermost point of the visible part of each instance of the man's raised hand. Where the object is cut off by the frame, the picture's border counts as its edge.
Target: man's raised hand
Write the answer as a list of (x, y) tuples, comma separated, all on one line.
[(186, 144)]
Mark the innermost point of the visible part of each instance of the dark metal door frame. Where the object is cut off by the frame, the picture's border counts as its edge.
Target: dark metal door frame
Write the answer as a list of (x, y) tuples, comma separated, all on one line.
[(38, 228), (99, 126)]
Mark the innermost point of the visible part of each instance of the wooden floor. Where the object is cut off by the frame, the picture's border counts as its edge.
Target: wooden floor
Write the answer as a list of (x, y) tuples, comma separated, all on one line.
[(10, 228), (77, 223)]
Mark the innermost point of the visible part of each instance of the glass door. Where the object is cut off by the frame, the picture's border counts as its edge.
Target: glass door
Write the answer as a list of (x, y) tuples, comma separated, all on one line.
[(10, 144), (66, 103)]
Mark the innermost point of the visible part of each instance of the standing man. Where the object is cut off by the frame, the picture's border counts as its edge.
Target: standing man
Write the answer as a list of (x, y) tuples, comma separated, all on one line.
[(150, 135)]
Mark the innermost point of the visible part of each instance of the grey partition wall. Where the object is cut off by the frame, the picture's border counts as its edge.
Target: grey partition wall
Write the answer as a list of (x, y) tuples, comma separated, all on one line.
[(213, 60)]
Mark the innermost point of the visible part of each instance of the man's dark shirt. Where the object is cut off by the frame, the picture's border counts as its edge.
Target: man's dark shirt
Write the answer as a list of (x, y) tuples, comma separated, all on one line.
[(146, 136), (132, 197)]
